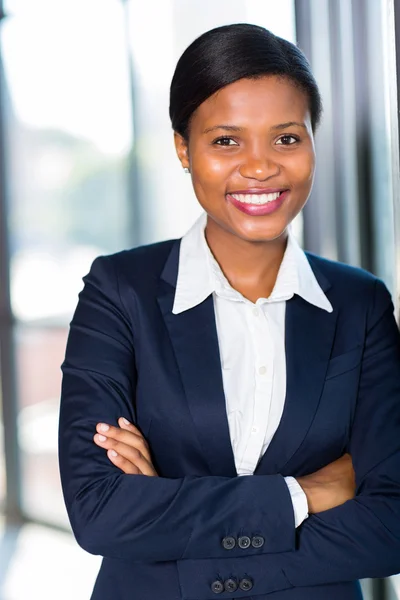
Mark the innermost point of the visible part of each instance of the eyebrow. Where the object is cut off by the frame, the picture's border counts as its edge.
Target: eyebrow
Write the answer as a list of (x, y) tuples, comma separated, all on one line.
[(238, 129), (289, 124), (224, 127)]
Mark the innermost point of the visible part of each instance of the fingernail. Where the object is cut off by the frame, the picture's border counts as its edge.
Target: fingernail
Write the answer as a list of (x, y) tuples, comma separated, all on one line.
[(125, 421), (113, 453), (104, 427), (102, 438)]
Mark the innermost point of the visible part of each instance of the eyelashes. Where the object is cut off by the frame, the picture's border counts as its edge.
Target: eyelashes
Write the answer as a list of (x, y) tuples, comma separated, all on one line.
[(286, 137), (218, 141), (227, 141)]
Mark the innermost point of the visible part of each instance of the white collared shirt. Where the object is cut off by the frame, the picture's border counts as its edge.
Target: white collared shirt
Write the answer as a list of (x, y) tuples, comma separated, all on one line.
[(251, 339)]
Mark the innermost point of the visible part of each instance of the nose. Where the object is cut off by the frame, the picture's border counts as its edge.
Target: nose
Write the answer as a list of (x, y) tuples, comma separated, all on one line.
[(260, 166)]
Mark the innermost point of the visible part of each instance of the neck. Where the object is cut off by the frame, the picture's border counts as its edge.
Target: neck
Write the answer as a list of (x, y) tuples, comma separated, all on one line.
[(250, 267)]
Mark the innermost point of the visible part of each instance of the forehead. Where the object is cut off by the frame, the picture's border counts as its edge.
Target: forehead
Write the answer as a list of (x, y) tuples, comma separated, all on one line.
[(248, 102)]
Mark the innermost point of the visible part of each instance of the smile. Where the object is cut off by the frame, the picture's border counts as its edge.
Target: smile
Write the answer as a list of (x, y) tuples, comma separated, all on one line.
[(256, 198), (258, 204)]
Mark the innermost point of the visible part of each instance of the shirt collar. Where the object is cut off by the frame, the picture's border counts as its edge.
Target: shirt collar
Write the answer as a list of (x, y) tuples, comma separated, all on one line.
[(199, 274)]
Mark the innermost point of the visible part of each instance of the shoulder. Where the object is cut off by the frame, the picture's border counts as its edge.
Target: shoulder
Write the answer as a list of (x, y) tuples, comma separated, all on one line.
[(339, 273), (349, 284), (151, 257), (138, 267)]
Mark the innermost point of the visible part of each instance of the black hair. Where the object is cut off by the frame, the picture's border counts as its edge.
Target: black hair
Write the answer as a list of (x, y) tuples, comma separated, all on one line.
[(226, 54)]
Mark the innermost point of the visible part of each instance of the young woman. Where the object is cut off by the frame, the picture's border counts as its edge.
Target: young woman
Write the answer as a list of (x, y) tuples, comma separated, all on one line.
[(192, 363)]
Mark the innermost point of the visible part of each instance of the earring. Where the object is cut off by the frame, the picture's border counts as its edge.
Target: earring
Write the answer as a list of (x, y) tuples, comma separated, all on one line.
[(186, 169)]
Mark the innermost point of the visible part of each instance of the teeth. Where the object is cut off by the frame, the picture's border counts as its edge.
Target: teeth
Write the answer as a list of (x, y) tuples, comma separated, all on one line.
[(256, 198)]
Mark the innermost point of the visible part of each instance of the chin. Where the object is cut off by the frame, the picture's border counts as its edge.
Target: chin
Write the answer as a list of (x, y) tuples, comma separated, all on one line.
[(261, 233)]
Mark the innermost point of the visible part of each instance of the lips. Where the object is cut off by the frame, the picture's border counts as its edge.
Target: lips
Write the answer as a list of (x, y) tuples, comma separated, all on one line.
[(258, 202), (258, 198), (258, 191)]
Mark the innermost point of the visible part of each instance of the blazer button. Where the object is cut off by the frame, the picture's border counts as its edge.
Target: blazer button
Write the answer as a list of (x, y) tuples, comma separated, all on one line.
[(217, 587), (244, 542), (245, 584), (257, 541), (229, 542), (230, 585)]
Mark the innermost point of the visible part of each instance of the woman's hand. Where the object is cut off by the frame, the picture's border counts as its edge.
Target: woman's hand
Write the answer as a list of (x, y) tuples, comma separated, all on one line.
[(126, 448), (330, 486)]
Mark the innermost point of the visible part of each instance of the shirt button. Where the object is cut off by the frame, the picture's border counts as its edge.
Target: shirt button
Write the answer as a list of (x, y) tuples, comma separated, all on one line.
[(256, 312), (262, 370), (254, 430)]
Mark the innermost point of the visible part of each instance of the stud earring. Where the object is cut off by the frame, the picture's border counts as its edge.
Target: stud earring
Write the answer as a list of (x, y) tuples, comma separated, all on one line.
[(186, 169)]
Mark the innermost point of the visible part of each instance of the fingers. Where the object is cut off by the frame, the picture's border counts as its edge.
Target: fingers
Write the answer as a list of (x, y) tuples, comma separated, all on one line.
[(126, 448), (127, 434), (125, 424), (121, 455), (122, 463)]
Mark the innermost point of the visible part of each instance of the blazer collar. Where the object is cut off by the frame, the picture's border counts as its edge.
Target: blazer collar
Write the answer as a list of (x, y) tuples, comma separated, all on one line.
[(199, 274), (171, 268)]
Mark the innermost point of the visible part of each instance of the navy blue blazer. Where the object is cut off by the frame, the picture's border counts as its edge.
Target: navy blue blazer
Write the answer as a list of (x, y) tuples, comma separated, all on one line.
[(162, 537)]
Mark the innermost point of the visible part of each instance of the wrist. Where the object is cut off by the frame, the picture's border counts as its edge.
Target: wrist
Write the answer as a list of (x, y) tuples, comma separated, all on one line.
[(310, 489)]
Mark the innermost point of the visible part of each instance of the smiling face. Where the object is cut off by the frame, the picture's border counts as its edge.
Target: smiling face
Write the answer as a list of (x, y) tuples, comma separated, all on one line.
[(251, 157)]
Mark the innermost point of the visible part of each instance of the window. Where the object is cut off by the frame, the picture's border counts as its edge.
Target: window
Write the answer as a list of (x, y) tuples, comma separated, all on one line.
[(68, 142)]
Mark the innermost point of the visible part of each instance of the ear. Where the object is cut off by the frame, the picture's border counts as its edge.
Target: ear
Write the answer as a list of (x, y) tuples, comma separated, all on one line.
[(182, 150)]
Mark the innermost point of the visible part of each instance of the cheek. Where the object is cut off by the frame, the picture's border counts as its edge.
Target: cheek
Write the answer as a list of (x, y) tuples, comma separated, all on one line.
[(207, 167), (309, 168), (302, 169)]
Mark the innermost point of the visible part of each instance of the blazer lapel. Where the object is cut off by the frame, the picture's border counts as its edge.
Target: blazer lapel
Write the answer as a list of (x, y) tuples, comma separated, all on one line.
[(194, 339), (309, 336)]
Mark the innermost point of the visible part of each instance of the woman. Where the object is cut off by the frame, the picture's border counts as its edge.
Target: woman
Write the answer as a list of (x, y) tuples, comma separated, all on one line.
[(231, 352)]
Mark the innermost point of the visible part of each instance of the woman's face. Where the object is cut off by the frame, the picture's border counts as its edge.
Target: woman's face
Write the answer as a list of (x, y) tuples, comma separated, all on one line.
[(251, 156)]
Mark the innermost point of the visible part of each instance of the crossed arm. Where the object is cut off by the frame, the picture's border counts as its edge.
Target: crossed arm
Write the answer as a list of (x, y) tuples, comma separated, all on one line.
[(128, 450), (149, 518)]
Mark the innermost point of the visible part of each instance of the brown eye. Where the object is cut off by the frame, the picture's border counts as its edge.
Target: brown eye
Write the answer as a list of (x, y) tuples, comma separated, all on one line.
[(225, 141), (287, 140)]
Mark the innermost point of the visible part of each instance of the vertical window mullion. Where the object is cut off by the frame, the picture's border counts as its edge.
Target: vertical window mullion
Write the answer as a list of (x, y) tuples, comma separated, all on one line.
[(313, 36), (393, 41), (383, 263), (7, 348), (344, 116)]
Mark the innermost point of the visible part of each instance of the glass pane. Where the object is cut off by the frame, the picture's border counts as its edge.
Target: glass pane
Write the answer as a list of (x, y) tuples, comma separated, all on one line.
[(34, 561), (383, 121), (366, 586), (69, 137), (40, 353), (2, 465)]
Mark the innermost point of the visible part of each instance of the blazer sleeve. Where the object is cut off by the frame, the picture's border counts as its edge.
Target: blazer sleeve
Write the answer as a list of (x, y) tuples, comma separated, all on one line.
[(136, 517), (360, 538)]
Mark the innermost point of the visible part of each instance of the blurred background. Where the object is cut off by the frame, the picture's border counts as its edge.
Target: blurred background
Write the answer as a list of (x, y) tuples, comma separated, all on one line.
[(87, 167)]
